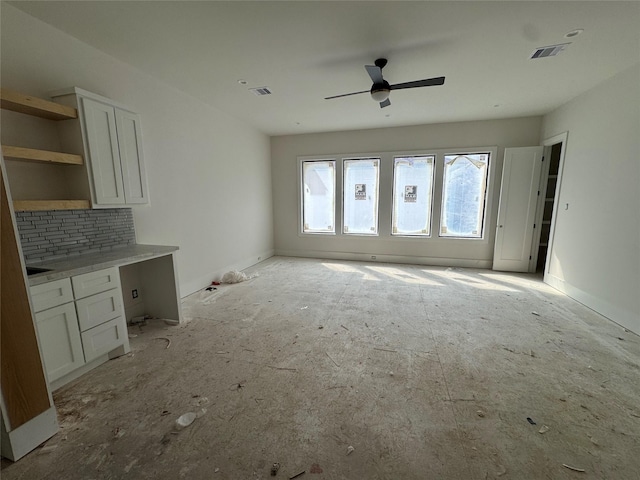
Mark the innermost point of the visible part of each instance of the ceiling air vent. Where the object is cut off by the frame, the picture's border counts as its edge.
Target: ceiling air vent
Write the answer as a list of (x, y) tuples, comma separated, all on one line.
[(260, 91), (550, 51)]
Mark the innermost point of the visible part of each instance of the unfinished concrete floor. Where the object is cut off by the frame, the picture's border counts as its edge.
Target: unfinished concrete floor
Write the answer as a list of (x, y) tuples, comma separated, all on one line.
[(428, 373)]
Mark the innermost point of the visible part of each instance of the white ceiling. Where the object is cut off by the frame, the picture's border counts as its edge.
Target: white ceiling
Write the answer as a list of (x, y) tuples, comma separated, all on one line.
[(305, 51)]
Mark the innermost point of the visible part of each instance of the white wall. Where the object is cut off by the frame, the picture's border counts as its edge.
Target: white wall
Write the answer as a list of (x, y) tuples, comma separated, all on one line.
[(596, 246), (208, 172), (285, 177)]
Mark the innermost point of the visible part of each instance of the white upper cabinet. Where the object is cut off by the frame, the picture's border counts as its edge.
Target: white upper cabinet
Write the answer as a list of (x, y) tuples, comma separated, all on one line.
[(104, 152), (130, 141), (112, 141)]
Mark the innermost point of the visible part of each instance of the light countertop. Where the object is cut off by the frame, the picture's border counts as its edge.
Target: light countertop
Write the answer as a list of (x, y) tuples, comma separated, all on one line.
[(79, 264)]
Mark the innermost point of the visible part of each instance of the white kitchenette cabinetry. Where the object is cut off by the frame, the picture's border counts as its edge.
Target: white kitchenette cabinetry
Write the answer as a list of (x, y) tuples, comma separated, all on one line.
[(100, 312), (110, 136), (57, 327), (80, 323)]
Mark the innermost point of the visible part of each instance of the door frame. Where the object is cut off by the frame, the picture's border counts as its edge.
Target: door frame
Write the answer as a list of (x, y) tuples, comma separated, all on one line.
[(547, 144)]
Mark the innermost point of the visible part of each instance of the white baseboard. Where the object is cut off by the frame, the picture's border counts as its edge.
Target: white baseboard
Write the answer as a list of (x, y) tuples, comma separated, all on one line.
[(192, 286), (407, 259), (624, 318)]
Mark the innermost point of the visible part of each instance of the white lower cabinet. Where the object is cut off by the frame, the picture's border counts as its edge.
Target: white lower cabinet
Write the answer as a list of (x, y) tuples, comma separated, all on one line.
[(104, 338), (99, 308), (60, 340), (75, 333)]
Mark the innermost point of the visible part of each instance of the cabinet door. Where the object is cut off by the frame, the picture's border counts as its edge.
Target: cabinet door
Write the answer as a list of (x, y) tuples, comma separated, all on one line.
[(99, 308), (60, 340), (104, 338), (95, 282), (130, 143), (104, 154), (51, 294)]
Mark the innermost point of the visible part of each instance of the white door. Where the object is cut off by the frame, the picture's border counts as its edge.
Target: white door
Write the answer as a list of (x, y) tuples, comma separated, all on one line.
[(517, 208), (102, 139)]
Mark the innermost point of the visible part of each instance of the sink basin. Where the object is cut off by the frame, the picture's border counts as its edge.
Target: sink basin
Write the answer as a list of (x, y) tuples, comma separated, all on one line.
[(34, 270)]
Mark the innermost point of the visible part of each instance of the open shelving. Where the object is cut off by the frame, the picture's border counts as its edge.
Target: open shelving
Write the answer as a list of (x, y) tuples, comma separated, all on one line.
[(37, 107), (45, 156), (21, 103)]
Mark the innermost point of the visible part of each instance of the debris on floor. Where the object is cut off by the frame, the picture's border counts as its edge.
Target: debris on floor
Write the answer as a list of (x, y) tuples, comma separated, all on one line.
[(350, 450), (480, 413), (210, 289), (185, 420), (236, 277), (138, 320), (274, 469), (48, 449), (164, 338), (334, 362), (575, 469), (543, 429), (535, 313), (531, 421), (298, 475)]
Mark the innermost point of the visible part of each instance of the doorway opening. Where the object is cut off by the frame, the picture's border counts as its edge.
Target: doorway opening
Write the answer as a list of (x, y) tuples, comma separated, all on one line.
[(548, 195)]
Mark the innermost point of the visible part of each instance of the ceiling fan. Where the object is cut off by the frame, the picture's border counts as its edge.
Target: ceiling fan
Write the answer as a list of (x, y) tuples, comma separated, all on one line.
[(380, 89)]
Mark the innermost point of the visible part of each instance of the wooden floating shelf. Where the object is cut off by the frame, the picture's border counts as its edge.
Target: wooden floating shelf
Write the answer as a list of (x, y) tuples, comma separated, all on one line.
[(45, 156), (19, 102), (39, 205)]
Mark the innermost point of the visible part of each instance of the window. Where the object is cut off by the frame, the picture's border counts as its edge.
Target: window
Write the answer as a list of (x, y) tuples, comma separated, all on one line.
[(412, 187), (463, 195), (318, 202), (360, 193)]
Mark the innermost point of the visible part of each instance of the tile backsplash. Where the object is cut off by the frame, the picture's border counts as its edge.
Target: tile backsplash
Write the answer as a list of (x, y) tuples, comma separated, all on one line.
[(53, 234)]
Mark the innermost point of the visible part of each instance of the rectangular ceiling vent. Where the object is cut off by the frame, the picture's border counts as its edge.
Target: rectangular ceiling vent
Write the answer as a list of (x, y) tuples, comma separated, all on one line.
[(550, 51), (260, 91)]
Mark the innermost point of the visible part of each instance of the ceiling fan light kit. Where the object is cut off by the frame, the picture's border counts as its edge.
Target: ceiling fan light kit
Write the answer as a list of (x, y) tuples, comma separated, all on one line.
[(381, 89), (380, 94)]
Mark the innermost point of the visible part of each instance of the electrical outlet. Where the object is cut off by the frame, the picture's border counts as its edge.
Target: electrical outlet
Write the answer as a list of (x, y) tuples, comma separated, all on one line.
[(134, 293)]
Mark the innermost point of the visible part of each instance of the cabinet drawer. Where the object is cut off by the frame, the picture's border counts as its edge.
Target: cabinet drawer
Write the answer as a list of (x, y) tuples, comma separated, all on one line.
[(103, 338), (51, 294), (59, 340), (95, 282), (97, 309)]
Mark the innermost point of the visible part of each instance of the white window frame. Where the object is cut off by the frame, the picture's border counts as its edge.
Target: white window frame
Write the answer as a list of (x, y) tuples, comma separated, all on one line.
[(490, 161), (301, 162), (375, 233), (393, 196), (385, 195)]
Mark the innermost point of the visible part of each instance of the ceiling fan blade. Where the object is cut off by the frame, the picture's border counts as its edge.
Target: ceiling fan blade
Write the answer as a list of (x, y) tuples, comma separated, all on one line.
[(386, 103), (428, 82), (375, 73), (346, 94)]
